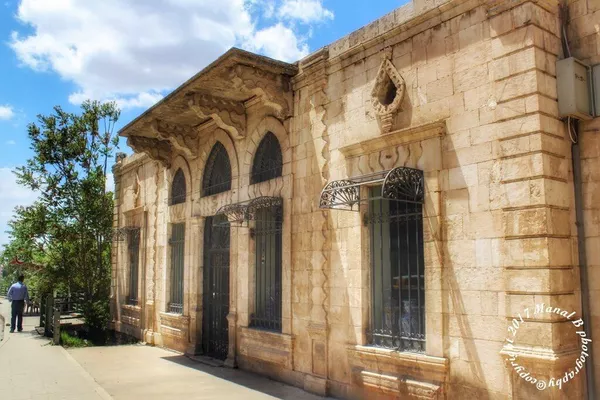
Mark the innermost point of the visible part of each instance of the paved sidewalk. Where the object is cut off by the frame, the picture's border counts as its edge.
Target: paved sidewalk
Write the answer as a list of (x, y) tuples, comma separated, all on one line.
[(144, 372), (30, 368)]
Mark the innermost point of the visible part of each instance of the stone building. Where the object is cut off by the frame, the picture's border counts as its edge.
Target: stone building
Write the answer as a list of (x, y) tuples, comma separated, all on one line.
[(367, 222)]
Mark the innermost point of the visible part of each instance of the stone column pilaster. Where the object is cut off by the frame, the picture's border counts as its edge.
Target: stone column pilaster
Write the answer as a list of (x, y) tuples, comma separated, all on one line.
[(531, 183)]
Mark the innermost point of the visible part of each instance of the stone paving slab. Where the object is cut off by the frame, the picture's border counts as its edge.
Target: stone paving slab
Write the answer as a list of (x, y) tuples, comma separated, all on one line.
[(143, 372), (32, 369)]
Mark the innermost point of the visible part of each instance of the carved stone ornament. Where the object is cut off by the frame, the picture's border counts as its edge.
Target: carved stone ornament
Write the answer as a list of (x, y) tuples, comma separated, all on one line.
[(388, 94), (267, 86), (159, 150), (228, 115), (181, 137)]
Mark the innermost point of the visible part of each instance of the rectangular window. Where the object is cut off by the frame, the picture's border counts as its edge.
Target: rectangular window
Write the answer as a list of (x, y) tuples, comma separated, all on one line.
[(397, 279), (177, 242), (133, 248), (267, 236)]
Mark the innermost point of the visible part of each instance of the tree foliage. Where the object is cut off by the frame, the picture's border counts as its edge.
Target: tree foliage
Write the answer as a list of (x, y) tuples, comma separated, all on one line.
[(64, 237)]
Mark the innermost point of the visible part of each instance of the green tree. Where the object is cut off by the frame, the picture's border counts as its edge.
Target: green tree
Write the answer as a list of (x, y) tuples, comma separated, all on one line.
[(68, 231)]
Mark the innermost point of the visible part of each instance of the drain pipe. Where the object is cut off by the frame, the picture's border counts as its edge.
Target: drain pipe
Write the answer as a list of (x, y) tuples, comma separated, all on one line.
[(583, 265), (573, 130)]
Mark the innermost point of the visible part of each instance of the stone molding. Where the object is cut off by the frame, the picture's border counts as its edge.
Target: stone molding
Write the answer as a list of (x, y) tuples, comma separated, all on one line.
[(267, 86), (174, 321), (228, 115), (159, 150), (131, 315), (395, 138), (272, 347), (182, 137), (401, 373)]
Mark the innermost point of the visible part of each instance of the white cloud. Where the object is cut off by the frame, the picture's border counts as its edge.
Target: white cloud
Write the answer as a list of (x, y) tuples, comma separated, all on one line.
[(11, 142), (6, 112), (11, 195), (135, 51), (280, 42), (306, 11)]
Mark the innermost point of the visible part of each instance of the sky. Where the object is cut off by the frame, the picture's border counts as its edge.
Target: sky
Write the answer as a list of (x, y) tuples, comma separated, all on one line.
[(134, 52)]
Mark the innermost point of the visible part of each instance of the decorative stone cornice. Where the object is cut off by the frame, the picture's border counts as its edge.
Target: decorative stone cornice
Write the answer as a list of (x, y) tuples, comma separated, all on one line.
[(228, 115), (183, 138), (271, 88), (159, 150)]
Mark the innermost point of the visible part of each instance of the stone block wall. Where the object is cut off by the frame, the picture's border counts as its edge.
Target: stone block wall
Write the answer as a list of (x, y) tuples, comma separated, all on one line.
[(479, 116)]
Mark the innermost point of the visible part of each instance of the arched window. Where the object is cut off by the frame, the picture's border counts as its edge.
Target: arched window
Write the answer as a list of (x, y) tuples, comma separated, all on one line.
[(178, 188), (268, 160), (217, 172)]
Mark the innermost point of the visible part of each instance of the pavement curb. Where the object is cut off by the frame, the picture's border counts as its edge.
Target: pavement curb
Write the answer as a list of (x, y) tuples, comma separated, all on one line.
[(85, 375)]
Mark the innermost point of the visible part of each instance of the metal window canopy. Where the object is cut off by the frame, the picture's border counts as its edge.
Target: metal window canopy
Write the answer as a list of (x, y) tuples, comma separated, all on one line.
[(240, 214), (398, 184)]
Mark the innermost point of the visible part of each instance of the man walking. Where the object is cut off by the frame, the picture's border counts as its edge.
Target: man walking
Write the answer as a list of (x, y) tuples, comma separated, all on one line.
[(18, 295)]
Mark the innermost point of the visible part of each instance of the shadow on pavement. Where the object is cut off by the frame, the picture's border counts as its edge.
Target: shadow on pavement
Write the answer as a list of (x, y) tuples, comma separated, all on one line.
[(247, 379)]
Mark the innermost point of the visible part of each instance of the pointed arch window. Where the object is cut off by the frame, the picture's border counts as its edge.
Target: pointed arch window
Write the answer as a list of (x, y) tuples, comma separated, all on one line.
[(268, 160), (217, 172), (178, 188)]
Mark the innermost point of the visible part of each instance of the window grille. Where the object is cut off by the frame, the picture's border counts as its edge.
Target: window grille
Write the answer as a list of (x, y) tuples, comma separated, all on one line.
[(133, 248), (268, 160), (217, 172), (397, 280), (177, 242), (267, 236), (178, 188)]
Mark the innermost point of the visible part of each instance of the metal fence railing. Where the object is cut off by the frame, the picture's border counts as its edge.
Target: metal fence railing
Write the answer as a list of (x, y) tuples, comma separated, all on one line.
[(54, 309)]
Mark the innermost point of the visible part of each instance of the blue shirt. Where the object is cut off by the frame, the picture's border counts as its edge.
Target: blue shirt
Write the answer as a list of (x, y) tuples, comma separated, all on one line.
[(18, 291)]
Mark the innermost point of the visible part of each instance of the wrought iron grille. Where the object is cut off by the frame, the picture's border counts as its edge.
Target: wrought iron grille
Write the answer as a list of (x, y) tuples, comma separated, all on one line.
[(133, 247), (178, 188), (400, 184), (215, 327), (268, 160), (239, 214), (177, 243), (267, 236), (398, 285), (217, 172)]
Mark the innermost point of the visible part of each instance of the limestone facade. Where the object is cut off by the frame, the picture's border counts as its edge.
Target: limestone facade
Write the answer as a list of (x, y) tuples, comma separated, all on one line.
[(462, 90)]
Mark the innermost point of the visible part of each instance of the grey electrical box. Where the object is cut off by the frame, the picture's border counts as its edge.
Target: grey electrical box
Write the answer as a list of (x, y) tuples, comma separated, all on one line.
[(574, 89), (596, 81)]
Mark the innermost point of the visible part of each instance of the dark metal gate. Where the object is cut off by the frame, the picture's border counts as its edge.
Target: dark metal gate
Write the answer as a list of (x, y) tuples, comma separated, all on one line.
[(215, 328)]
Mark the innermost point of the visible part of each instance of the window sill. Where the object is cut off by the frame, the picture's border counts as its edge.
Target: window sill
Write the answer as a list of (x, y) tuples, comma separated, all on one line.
[(269, 346), (176, 322), (130, 315), (382, 370), (131, 307)]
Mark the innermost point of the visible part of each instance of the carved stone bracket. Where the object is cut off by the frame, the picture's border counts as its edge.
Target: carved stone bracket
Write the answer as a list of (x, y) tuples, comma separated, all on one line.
[(228, 115), (182, 138), (265, 85), (388, 93), (156, 149)]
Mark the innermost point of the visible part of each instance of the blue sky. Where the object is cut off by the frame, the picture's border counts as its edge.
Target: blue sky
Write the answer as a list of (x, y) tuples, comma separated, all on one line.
[(60, 52)]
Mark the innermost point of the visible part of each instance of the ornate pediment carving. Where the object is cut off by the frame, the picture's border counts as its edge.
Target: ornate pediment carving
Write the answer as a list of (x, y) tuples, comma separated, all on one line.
[(228, 115), (271, 88), (183, 138), (388, 93), (156, 149)]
